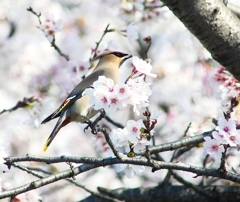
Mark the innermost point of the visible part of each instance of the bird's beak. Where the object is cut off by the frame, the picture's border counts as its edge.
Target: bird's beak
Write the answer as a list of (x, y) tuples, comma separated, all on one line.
[(129, 56), (124, 59)]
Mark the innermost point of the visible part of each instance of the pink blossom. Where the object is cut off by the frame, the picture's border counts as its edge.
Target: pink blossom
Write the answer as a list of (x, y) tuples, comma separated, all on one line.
[(142, 66), (213, 148), (141, 144), (234, 139), (49, 26), (109, 96), (227, 127), (133, 130), (221, 137), (129, 169), (78, 68)]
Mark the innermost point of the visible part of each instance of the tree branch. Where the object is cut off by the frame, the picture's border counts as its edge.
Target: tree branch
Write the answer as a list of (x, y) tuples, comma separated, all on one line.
[(21, 104), (36, 174), (47, 180), (53, 44), (156, 165), (169, 193), (216, 27), (188, 141)]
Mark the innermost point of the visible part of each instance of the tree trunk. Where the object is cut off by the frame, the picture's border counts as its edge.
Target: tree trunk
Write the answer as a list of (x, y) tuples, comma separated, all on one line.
[(216, 27)]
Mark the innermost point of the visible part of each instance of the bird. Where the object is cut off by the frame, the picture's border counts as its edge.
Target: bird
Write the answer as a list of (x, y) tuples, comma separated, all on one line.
[(76, 107)]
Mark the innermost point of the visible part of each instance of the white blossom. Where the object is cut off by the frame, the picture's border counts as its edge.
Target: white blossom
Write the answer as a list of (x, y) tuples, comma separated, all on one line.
[(226, 126), (49, 26), (129, 169), (142, 66), (213, 148)]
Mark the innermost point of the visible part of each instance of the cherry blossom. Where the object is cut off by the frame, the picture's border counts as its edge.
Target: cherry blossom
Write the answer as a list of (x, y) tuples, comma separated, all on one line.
[(226, 126), (109, 96), (123, 90), (226, 132), (141, 144), (129, 169), (133, 130), (142, 66), (155, 114), (132, 136), (233, 139), (140, 92), (221, 137), (120, 140), (49, 26), (78, 68), (213, 148)]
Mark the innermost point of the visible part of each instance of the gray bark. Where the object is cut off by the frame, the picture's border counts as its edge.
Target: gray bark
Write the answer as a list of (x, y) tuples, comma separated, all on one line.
[(216, 27), (170, 193)]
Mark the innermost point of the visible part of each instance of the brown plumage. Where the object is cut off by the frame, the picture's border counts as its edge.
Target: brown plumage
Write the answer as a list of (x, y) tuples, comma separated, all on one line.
[(76, 108)]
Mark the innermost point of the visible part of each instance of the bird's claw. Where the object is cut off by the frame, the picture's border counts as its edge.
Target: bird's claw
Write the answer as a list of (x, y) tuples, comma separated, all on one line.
[(91, 125), (94, 131)]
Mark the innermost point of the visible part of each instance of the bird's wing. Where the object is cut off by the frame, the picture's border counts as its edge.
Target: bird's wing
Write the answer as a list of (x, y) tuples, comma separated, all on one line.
[(75, 94)]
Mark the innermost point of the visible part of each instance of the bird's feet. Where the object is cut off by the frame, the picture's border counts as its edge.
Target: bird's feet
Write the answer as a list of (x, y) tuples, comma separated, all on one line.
[(93, 125)]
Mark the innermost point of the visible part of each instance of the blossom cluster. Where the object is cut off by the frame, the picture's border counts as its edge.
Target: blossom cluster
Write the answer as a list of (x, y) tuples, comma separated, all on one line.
[(225, 134), (227, 85), (130, 137), (49, 26), (131, 140), (78, 68), (140, 9), (106, 95)]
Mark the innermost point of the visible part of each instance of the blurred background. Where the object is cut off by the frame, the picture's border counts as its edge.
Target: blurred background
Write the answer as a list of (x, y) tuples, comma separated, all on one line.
[(29, 66)]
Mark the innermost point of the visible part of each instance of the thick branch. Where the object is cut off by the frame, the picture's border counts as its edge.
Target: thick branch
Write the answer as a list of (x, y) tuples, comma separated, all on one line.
[(169, 193), (216, 27), (46, 180), (156, 165), (91, 160), (188, 141)]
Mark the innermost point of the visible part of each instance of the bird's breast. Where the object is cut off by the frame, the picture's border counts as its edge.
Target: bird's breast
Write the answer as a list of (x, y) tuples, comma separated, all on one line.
[(81, 110)]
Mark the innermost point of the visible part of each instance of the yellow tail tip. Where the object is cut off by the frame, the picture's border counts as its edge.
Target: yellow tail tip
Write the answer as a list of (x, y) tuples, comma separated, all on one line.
[(46, 144), (45, 148)]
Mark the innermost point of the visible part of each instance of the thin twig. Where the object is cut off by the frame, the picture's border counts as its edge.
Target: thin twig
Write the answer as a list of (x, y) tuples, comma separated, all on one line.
[(187, 129), (21, 104), (98, 43), (38, 15), (148, 40), (53, 44), (109, 141)]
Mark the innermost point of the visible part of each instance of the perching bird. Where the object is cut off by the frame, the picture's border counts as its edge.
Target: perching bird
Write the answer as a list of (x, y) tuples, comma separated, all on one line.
[(76, 107)]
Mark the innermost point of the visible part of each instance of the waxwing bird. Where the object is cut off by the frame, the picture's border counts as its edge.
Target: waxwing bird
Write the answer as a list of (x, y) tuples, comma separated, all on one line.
[(76, 107)]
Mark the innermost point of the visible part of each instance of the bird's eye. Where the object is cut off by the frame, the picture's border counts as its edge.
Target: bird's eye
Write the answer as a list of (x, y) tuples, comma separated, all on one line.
[(120, 55)]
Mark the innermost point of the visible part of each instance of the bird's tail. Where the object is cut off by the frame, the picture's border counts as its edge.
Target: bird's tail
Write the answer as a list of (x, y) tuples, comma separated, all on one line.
[(55, 131)]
